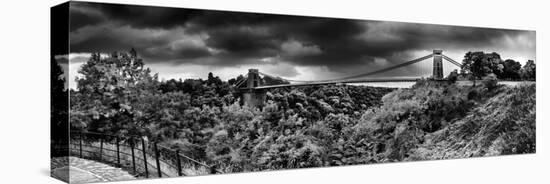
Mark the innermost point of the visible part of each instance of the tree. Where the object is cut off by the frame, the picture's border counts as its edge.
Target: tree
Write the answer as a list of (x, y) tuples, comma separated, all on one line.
[(528, 72), (479, 64), (111, 93), (453, 76), (511, 70), (490, 81), (58, 102), (494, 63), (213, 80), (170, 85)]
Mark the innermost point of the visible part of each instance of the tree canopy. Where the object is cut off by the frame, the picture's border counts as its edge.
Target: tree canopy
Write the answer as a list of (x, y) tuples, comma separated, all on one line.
[(480, 64), (112, 93), (59, 105), (529, 71)]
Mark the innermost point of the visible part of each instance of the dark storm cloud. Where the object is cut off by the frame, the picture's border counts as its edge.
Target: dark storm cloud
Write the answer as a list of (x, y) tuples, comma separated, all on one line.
[(232, 38), (261, 35), (141, 16), (243, 41), (99, 43), (81, 16), (157, 49), (410, 35)]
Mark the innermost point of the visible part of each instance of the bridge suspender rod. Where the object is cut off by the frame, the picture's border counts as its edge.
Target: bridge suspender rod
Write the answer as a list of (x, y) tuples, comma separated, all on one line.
[(360, 75)]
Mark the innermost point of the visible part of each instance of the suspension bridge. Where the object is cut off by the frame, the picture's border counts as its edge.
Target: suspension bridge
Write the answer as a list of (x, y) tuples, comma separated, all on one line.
[(254, 93)]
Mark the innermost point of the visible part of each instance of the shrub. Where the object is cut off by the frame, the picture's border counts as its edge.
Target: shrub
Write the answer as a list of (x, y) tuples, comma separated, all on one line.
[(490, 82)]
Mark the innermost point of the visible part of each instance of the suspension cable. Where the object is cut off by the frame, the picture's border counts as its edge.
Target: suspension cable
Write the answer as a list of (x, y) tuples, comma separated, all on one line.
[(451, 61), (238, 83), (357, 75)]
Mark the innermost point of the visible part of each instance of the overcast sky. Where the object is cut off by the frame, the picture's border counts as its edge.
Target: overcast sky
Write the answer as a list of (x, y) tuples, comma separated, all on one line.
[(189, 43)]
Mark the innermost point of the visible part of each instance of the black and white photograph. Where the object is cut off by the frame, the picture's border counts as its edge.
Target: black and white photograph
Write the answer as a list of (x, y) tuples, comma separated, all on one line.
[(143, 92)]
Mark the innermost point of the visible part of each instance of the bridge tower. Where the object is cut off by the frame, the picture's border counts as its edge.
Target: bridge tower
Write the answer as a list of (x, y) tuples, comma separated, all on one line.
[(250, 96), (254, 79), (438, 65)]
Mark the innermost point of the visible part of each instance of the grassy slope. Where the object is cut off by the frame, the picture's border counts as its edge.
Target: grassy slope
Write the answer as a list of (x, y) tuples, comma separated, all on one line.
[(503, 124), (437, 121)]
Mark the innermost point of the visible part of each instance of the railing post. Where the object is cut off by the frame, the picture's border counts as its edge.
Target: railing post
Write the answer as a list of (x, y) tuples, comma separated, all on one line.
[(133, 157), (118, 151), (157, 160), (213, 169), (100, 149), (80, 144), (144, 157), (178, 162)]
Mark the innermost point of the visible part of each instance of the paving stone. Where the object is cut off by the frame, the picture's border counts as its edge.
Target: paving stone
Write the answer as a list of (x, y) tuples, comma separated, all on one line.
[(86, 171)]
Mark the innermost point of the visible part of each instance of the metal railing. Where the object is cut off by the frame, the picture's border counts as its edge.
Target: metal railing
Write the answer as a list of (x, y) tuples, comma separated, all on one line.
[(143, 158)]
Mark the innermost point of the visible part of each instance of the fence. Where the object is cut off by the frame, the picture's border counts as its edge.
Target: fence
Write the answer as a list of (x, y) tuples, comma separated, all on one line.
[(136, 154)]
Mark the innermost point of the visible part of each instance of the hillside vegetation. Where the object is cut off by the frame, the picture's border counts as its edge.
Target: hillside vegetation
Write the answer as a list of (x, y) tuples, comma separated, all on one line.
[(434, 121), (305, 126), (429, 121)]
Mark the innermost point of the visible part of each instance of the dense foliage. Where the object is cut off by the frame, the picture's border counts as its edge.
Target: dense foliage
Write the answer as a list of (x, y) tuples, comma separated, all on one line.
[(116, 95), (480, 64), (305, 126), (59, 106), (430, 121)]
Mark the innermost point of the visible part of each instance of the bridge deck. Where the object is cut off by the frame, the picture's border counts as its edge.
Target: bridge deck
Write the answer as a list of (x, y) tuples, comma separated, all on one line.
[(336, 82)]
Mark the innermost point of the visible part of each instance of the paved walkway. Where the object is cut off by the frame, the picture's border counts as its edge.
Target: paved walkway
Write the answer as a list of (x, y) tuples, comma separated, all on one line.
[(86, 171), (508, 83)]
